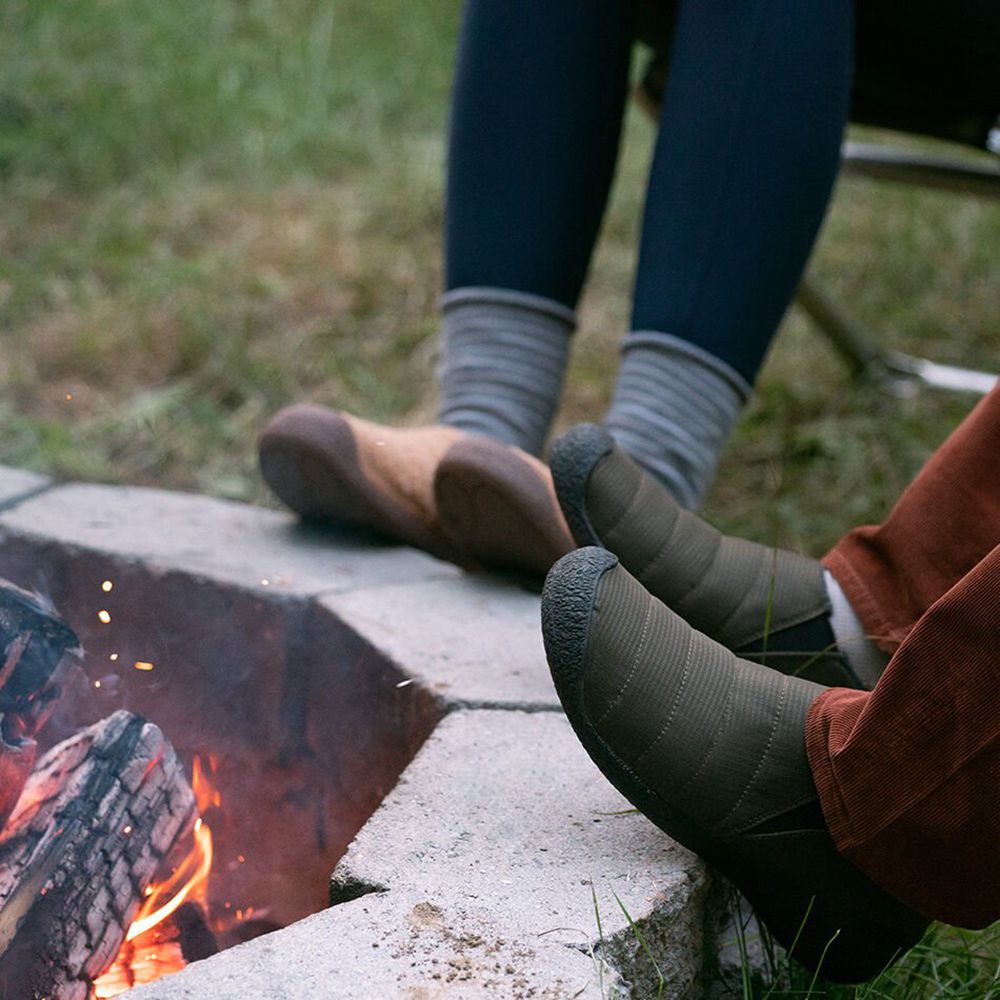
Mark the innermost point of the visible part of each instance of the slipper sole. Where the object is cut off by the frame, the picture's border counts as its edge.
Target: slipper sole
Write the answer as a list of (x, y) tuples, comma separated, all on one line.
[(493, 506)]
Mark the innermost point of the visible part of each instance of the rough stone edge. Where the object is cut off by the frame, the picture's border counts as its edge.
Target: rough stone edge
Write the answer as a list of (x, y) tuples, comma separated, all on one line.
[(30, 485), (356, 547)]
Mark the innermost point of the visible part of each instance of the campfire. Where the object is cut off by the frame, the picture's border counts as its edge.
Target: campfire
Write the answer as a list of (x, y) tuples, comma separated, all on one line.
[(87, 830), (106, 848), (290, 727)]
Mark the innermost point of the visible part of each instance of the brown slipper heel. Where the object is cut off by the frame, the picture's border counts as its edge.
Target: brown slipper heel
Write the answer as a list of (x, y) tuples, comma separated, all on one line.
[(498, 504), (330, 466)]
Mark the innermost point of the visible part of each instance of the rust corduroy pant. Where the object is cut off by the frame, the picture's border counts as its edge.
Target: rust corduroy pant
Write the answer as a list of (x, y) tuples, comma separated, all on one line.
[(909, 773)]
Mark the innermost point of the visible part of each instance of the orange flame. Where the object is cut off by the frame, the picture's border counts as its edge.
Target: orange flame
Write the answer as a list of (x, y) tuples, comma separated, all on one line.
[(202, 856), (146, 955)]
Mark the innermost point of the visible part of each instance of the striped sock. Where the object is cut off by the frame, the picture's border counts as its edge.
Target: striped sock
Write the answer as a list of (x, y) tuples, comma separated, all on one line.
[(503, 363), (673, 408)]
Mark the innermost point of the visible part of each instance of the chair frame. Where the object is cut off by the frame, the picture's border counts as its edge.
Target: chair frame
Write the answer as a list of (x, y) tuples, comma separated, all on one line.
[(895, 371)]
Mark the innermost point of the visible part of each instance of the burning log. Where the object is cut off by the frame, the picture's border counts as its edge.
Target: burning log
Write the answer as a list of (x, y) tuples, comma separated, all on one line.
[(37, 650), (96, 819)]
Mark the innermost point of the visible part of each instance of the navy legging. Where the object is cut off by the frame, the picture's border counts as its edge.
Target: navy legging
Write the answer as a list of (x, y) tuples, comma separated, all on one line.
[(745, 160)]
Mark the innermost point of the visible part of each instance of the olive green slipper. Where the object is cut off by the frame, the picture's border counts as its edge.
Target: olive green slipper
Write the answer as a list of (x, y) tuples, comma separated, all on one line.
[(764, 603), (712, 749)]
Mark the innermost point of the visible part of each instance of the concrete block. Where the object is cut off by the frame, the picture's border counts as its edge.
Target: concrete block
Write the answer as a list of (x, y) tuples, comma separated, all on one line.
[(219, 539), (16, 484), (472, 641), (505, 810), (394, 944)]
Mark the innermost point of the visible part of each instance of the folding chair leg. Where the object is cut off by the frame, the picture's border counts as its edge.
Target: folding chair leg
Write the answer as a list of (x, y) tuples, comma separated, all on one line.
[(896, 372)]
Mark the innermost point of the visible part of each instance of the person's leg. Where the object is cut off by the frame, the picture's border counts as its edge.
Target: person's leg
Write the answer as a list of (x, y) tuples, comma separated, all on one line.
[(762, 602), (909, 775), (867, 592), (747, 153), (711, 748), (946, 521), (538, 103)]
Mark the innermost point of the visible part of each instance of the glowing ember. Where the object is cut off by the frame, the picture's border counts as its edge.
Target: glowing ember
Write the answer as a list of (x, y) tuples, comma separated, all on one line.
[(143, 665), (107, 586), (104, 616)]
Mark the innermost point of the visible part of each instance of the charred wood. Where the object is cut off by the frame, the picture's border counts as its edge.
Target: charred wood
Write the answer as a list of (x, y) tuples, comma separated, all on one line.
[(196, 938), (96, 819), (37, 650)]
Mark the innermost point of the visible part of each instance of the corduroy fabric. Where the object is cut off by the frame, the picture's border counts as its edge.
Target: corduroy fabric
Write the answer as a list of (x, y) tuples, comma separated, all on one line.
[(908, 775), (946, 521)]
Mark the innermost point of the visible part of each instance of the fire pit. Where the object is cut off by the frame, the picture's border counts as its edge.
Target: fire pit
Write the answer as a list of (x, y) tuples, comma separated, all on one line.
[(303, 672)]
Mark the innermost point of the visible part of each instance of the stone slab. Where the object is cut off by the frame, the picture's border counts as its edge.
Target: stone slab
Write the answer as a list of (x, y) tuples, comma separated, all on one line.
[(16, 484), (219, 539), (392, 945), (470, 640), (504, 809)]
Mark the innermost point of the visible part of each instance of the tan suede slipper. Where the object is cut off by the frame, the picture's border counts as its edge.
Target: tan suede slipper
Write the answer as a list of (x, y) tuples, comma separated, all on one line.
[(498, 505), (330, 466)]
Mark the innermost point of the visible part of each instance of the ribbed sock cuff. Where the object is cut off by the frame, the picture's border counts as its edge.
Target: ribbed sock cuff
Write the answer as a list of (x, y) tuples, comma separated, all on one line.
[(863, 656), (673, 408), (503, 363)]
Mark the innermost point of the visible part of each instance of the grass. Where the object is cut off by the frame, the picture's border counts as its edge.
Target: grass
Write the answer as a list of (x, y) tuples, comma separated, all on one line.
[(208, 210), (948, 964)]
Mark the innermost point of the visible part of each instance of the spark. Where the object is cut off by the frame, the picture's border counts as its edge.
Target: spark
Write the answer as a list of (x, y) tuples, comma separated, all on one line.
[(69, 397), (407, 682), (127, 830), (107, 586), (97, 684), (143, 665), (241, 858), (265, 582), (104, 616), (113, 657)]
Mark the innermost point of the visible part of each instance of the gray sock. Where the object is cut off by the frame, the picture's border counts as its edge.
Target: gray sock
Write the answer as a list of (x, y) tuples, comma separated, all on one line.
[(502, 364), (864, 657), (673, 408)]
